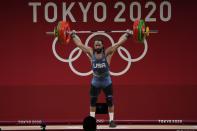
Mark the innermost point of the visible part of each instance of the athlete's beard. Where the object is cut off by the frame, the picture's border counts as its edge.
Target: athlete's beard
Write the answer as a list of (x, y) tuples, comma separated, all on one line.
[(98, 51)]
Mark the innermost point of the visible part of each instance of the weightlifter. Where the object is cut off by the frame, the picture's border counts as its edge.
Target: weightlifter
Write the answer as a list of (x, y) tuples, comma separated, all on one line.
[(100, 59)]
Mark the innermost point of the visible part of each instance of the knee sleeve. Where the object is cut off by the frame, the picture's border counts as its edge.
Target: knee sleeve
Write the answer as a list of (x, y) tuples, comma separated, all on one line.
[(93, 101), (109, 100)]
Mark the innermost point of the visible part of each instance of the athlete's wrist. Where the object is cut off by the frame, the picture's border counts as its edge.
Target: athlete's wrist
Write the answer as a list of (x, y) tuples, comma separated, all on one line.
[(128, 33), (73, 34)]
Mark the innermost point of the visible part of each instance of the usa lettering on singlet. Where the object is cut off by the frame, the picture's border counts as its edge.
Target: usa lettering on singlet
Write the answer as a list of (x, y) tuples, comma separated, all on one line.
[(101, 76)]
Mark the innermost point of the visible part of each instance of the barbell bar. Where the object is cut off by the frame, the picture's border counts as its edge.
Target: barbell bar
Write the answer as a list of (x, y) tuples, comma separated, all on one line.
[(103, 31), (139, 32)]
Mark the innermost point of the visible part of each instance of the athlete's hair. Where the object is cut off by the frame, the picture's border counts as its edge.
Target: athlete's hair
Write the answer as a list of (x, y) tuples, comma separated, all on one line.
[(89, 124), (98, 39)]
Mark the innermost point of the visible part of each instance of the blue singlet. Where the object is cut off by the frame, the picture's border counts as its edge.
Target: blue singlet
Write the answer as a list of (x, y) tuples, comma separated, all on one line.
[(101, 76)]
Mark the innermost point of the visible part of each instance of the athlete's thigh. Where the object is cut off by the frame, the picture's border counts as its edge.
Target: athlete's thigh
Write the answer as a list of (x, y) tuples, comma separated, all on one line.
[(108, 91), (94, 91)]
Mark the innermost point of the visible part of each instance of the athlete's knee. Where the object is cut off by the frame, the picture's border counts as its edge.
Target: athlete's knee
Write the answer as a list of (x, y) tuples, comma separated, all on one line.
[(93, 101), (109, 100)]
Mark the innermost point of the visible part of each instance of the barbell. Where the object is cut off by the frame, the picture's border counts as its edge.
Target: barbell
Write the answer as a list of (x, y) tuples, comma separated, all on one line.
[(63, 31)]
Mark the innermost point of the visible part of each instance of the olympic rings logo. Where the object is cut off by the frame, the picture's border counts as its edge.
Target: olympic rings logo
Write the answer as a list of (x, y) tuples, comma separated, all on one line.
[(120, 49), (100, 121)]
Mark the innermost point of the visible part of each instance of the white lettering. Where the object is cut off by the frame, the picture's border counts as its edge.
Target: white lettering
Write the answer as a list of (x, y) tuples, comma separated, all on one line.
[(152, 11), (66, 11), (85, 10), (169, 11), (34, 5), (99, 65), (118, 16), (103, 18), (139, 13), (133, 10), (50, 4)]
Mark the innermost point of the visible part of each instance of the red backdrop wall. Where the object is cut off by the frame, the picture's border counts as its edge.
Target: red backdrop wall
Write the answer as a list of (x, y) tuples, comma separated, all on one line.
[(35, 85)]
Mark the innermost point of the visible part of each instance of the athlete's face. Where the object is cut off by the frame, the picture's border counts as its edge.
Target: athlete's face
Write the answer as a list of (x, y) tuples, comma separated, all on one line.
[(98, 46)]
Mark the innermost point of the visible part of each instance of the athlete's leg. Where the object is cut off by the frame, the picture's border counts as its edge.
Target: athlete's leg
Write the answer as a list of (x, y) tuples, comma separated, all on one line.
[(109, 99), (111, 113), (94, 92), (92, 111)]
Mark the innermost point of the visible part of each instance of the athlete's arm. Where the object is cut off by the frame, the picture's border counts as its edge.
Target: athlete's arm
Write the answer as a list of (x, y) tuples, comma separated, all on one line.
[(88, 50), (122, 39)]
